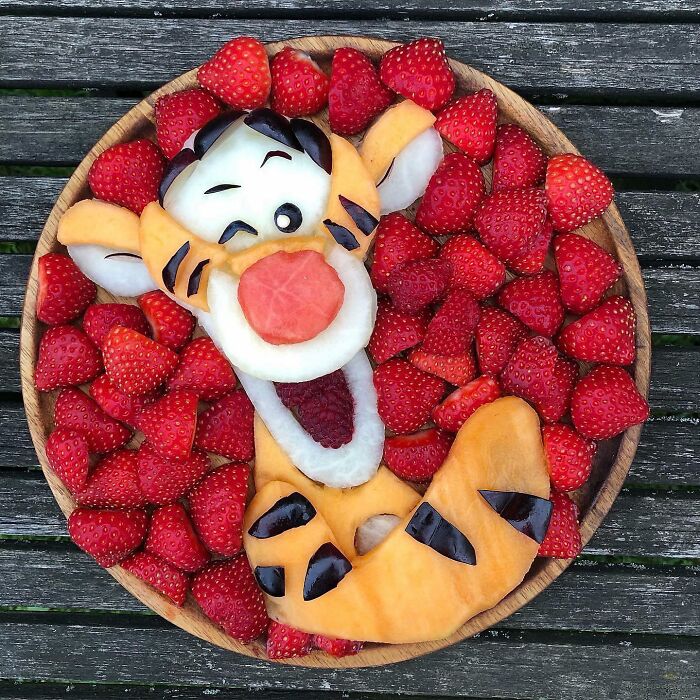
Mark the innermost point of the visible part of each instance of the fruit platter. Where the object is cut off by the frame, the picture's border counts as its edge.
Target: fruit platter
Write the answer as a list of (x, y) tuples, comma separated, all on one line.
[(335, 351)]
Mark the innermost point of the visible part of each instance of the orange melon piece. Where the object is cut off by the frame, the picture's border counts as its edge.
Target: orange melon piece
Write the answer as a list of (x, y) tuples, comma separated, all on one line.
[(94, 222), (402, 590)]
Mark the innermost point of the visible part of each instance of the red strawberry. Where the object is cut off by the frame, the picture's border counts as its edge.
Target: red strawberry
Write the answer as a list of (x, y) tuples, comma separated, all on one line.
[(299, 86), (284, 642), (518, 162), (172, 325), (238, 73), (397, 241), (114, 483), (532, 260), (394, 332), (67, 453), (569, 456), (509, 222), (163, 480), (67, 357), (336, 647), (75, 410), (166, 579), (455, 369), (228, 595), (356, 95), (418, 456), (606, 402), (135, 363), (497, 335), (118, 404), (172, 537), (535, 301), (406, 396), (203, 370), (469, 123), (586, 271), (226, 428), (452, 197), (107, 535), (99, 319), (451, 330), (577, 191), (128, 174), (179, 115), (417, 284), (217, 504), (563, 539), (64, 291), (169, 424), (420, 72), (605, 334), (474, 266), (453, 412)]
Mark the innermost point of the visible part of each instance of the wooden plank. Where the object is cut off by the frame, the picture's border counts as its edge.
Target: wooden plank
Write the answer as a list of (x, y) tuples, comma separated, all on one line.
[(623, 59)]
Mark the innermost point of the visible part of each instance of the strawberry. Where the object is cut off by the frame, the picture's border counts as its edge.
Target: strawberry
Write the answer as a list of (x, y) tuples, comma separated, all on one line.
[(107, 535), (64, 291), (114, 483), (68, 455), (474, 266), (606, 402), (509, 222), (67, 357), (569, 456), (415, 285), (166, 579), (203, 370), (497, 335), (75, 410), (135, 363), (535, 301), (586, 271), (577, 191), (605, 334), (217, 504), (171, 324), (356, 94), (451, 330), (238, 73), (420, 72), (172, 537), (455, 369), (128, 174), (563, 539), (179, 115), (169, 424), (226, 428), (99, 319), (518, 162), (452, 196), (118, 404), (336, 647), (299, 86), (163, 481), (228, 595), (469, 123), (406, 396), (453, 412), (418, 456), (284, 642), (394, 331), (537, 373), (532, 260), (397, 241)]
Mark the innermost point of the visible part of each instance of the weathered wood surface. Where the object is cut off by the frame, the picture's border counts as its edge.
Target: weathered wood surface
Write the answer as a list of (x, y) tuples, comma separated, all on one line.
[(635, 59)]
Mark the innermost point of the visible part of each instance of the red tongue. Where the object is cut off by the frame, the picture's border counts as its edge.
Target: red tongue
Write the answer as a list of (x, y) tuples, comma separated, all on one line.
[(323, 407)]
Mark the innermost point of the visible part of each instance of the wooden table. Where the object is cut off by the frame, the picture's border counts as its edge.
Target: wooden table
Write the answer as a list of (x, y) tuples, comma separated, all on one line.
[(623, 80)]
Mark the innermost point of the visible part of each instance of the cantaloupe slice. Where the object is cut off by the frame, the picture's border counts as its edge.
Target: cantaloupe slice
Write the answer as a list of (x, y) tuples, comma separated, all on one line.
[(404, 590), (94, 222)]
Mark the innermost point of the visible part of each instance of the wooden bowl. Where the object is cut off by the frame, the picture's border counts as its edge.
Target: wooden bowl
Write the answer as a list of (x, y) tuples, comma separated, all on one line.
[(613, 459)]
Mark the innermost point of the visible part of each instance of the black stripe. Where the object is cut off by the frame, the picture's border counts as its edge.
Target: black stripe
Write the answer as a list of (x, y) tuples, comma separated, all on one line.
[(221, 188), (233, 228), (270, 579), (327, 568), (342, 235), (274, 126), (173, 169), (123, 255), (211, 131), (169, 273), (275, 154), (527, 514), (314, 142), (289, 512), (362, 218), (428, 527), (196, 278)]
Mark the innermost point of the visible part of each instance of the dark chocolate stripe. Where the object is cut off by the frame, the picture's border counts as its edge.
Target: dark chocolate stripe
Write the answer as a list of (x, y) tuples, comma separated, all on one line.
[(173, 169), (527, 514), (428, 527), (342, 235), (270, 579), (211, 131), (275, 154), (289, 512), (362, 218), (274, 126), (314, 142), (327, 568), (169, 273), (233, 228), (123, 255), (196, 278), (221, 188)]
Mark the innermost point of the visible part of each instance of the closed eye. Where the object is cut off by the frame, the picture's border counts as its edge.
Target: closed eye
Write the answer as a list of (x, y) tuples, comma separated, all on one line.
[(221, 188), (275, 154)]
